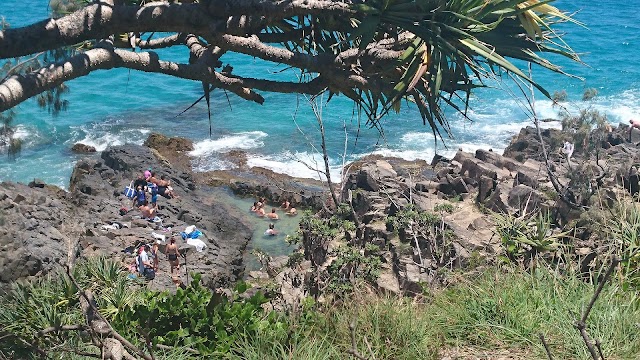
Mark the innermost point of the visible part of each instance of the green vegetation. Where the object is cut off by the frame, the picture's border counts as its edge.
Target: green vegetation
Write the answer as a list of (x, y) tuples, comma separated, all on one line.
[(197, 318), (498, 309), (527, 235)]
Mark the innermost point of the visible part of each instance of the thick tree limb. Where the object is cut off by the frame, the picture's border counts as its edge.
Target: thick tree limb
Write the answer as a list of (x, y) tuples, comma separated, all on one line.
[(98, 21), (163, 42), (18, 88), (279, 9)]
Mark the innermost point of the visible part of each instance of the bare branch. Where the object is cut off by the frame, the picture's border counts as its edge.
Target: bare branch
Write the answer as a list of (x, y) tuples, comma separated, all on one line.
[(163, 42), (354, 348), (60, 328), (546, 346), (581, 324)]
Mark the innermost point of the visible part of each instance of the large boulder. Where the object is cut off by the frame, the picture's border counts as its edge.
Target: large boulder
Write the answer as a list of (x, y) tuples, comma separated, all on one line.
[(83, 148), (525, 199), (38, 228), (164, 143)]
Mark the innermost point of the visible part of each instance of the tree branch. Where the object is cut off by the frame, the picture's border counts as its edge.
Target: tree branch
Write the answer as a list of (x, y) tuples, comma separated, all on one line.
[(163, 42), (279, 9), (60, 328), (98, 21)]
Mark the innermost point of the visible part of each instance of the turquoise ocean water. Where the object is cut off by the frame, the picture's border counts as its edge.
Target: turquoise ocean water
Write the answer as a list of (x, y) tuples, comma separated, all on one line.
[(118, 106)]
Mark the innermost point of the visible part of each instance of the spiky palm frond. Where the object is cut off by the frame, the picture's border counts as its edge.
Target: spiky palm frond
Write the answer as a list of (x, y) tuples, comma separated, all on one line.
[(451, 46)]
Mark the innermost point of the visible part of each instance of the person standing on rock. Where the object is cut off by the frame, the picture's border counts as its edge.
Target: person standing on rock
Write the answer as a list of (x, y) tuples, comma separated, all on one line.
[(172, 254), (567, 149), (154, 256)]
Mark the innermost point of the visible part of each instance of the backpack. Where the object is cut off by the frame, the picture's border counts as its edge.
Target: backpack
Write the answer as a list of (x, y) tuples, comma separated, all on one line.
[(149, 273)]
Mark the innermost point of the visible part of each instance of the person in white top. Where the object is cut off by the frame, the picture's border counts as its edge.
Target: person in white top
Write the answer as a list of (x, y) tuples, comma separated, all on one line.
[(567, 149), (271, 231)]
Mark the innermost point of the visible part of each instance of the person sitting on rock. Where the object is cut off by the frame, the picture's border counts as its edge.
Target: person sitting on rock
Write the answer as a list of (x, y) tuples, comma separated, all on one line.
[(163, 185), (147, 211), (172, 254), (272, 215), (271, 231), (285, 205), (140, 181)]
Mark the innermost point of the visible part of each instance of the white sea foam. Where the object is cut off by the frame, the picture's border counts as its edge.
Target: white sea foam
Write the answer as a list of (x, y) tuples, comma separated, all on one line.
[(243, 141), (100, 142), (21, 132), (210, 163), (299, 164), (28, 136)]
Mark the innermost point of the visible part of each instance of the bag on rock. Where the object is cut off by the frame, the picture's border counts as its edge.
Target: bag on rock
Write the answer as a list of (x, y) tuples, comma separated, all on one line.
[(129, 191), (149, 273)]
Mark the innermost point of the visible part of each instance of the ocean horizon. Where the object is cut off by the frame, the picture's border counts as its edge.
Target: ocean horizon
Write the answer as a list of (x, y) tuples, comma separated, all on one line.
[(120, 106)]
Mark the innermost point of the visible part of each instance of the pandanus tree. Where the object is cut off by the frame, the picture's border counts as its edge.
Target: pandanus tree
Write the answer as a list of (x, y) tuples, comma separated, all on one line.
[(378, 53)]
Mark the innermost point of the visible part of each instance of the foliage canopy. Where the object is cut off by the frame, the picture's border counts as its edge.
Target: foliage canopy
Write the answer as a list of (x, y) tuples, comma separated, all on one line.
[(377, 53)]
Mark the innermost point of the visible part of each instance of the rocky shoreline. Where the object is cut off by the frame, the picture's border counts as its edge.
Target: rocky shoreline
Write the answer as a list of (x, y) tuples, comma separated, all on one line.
[(44, 227)]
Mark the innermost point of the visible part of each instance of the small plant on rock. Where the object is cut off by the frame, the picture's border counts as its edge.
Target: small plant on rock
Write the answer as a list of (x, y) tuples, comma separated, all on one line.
[(527, 235)]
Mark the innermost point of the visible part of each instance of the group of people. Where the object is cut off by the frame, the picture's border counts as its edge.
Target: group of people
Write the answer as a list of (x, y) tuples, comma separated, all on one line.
[(147, 260), (258, 209), (147, 184)]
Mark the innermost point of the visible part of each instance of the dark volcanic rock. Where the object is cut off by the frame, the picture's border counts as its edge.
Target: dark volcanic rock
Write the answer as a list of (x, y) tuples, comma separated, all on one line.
[(37, 230), (82, 148), (163, 143), (43, 227)]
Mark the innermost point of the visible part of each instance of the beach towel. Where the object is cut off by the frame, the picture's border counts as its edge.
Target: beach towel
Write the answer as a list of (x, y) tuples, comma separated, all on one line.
[(199, 244), (160, 238)]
